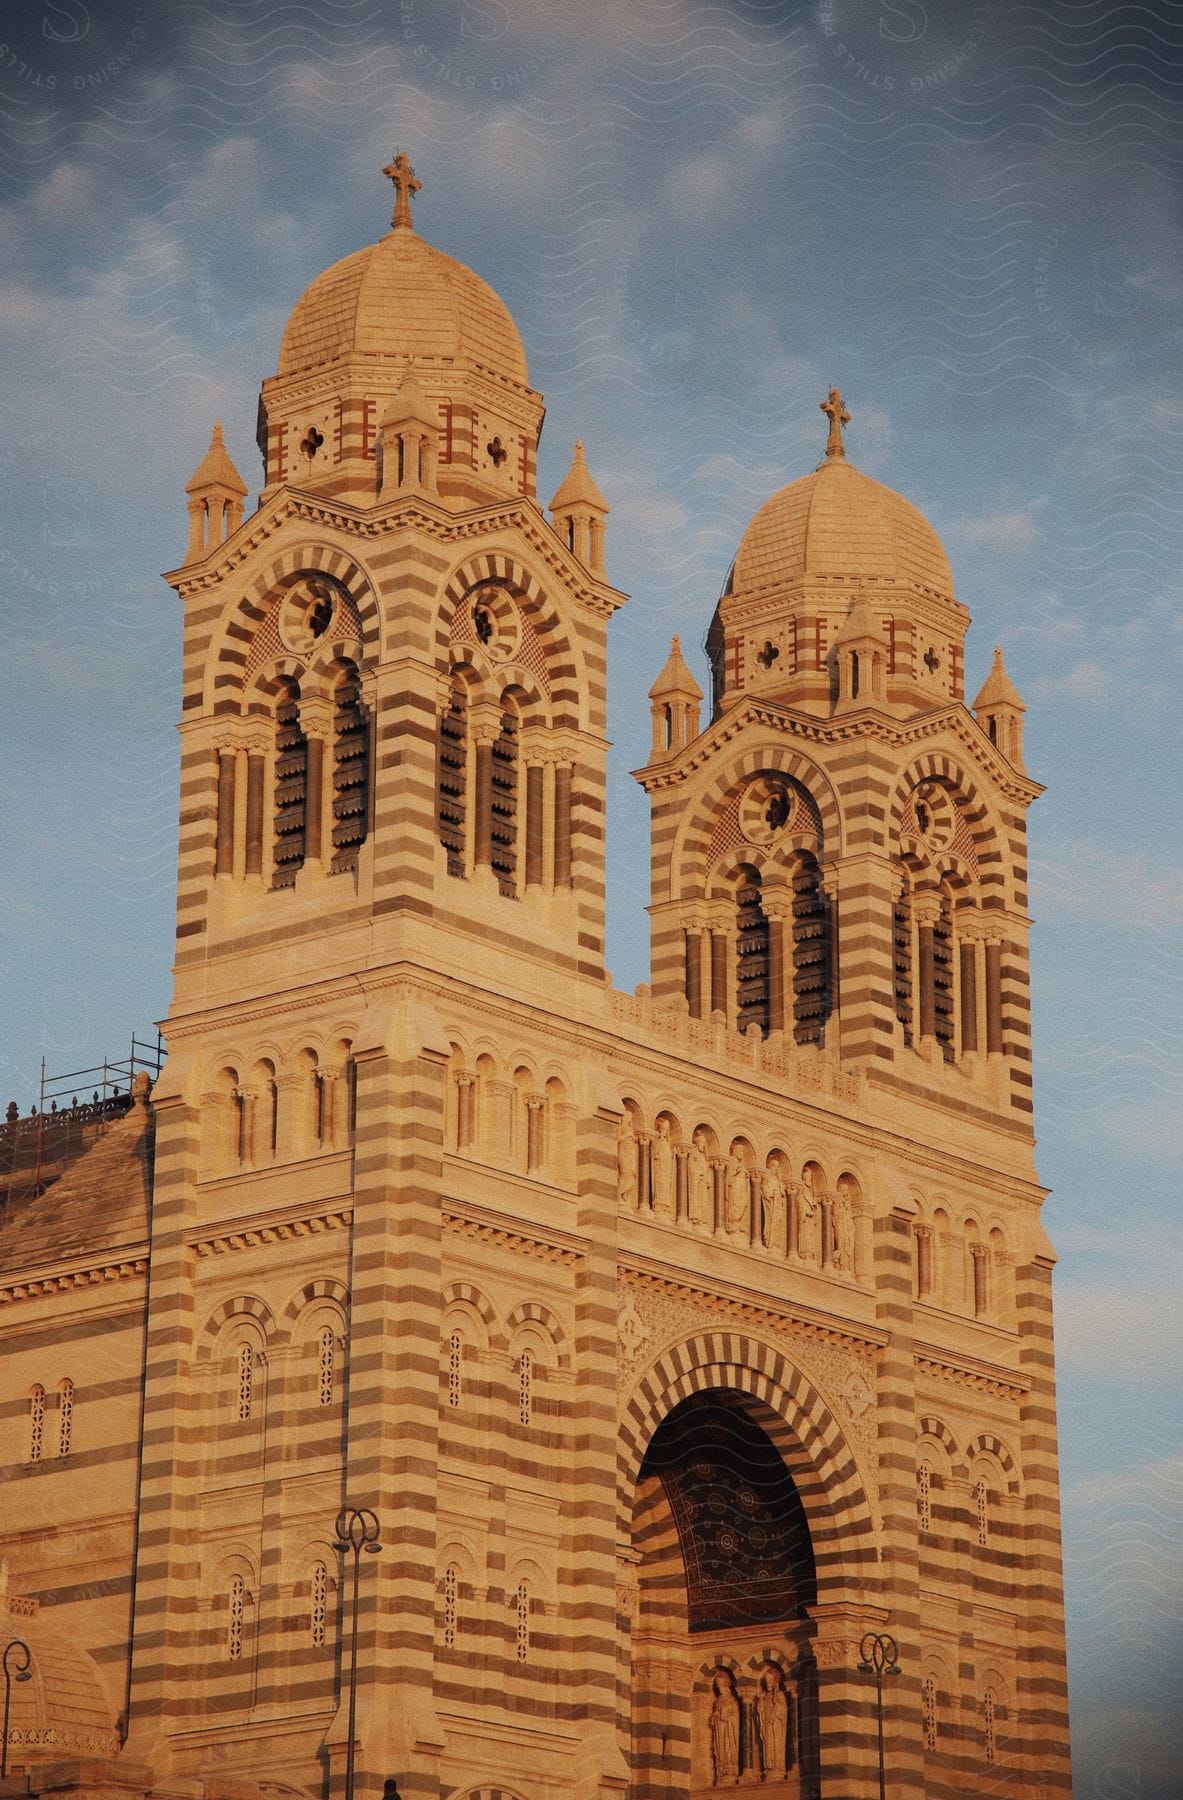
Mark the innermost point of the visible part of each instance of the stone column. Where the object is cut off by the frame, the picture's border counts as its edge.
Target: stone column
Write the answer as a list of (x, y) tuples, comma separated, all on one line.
[(967, 952), (535, 820), (465, 1109), (926, 910), (256, 787), (720, 960), (981, 1294), (563, 811), (535, 1146), (994, 996), (483, 732), (778, 912), (693, 942), (316, 722), (923, 1236), (644, 1139), (227, 756), (681, 1194)]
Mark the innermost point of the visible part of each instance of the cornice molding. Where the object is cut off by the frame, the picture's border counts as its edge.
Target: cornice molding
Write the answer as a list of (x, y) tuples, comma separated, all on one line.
[(287, 504), (970, 1372), (730, 1302), (253, 1234), (869, 724)]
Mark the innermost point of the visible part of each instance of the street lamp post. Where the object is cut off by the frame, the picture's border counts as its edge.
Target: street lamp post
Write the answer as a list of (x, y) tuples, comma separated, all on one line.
[(880, 1657), (21, 1672), (357, 1530)]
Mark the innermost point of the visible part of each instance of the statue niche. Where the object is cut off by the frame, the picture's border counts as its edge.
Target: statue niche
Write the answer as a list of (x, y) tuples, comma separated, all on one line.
[(725, 1571)]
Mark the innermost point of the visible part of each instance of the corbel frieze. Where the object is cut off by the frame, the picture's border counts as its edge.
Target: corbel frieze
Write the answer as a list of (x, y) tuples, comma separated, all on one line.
[(274, 1231), (509, 1237), (68, 1281)]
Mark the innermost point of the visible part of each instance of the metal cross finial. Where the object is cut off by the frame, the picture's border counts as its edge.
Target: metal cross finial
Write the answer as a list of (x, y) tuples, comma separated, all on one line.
[(838, 417), (405, 183)]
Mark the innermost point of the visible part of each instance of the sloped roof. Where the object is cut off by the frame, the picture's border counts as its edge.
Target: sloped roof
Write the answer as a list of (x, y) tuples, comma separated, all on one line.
[(101, 1203)]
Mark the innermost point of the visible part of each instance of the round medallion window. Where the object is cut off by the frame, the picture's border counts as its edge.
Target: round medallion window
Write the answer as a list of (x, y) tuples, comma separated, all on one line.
[(769, 807), (305, 615), (493, 618), (934, 814)]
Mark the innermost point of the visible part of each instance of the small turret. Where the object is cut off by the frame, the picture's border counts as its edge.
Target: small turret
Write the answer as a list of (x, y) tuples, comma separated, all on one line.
[(999, 710), (216, 493), (578, 512), (676, 697), (409, 436), (861, 654)]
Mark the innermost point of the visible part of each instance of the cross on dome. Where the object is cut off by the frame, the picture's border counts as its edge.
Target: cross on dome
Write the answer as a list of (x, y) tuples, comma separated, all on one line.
[(406, 183), (838, 417)]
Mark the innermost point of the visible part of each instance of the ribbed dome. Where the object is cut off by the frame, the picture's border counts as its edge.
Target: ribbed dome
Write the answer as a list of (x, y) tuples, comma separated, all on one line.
[(401, 298), (837, 521)]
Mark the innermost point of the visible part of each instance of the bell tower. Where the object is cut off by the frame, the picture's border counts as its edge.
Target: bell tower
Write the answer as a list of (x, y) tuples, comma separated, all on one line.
[(838, 857)]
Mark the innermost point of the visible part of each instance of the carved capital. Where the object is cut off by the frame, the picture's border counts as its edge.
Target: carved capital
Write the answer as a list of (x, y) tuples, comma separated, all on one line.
[(926, 909)]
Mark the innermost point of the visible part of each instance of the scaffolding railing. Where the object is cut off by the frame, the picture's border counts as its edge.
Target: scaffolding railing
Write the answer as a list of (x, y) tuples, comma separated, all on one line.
[(58, 1125)]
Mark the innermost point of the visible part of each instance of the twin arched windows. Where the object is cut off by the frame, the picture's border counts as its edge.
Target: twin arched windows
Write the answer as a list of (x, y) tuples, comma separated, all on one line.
[(307, 783), (39, 1423), (498, 806), (782, 950)]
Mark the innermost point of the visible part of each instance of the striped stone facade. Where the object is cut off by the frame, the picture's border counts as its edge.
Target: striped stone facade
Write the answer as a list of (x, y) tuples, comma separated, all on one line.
[(443, 1226)]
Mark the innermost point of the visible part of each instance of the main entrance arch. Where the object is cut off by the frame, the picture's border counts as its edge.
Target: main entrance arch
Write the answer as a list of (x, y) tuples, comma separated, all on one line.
[(745, 1510)]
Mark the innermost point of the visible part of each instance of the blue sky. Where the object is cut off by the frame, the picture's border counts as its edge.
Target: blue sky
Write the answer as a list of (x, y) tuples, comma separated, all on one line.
[(701, 217)]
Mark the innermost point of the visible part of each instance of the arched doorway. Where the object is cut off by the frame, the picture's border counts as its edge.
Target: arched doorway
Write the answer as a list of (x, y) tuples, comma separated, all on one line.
[(721, 1678)]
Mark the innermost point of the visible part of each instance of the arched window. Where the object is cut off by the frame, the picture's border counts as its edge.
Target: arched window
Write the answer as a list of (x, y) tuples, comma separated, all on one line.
[(291, 776), (236, 1617), (451, 1597), (319, 1608), (36, 1423), (351, 770), (990, 1724), (246, 1381), (751, 952), (452, 777), (328, 1356), (924, 1497), (811, 952), (525, 1386), (929, 1700), (982, 1511), (65, 1416), (455, 1368), (503, 799), (522, 1621)]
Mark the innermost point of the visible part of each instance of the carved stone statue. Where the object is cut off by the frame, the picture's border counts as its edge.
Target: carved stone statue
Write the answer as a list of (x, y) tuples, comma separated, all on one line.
[(809, 1222), (842, 1214), (772, 1208), (724, 1727), (772, 1722), (626, 1162), (662, 1169), (699, 1186), (737, 1194)]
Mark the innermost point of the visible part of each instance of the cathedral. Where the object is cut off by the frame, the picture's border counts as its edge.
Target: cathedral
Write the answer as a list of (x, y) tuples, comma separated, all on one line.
[(454, 1378)]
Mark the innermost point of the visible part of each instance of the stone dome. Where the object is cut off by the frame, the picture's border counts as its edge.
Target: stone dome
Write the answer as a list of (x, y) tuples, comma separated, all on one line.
[(63, 1709), (401, 299), (837, 521)]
